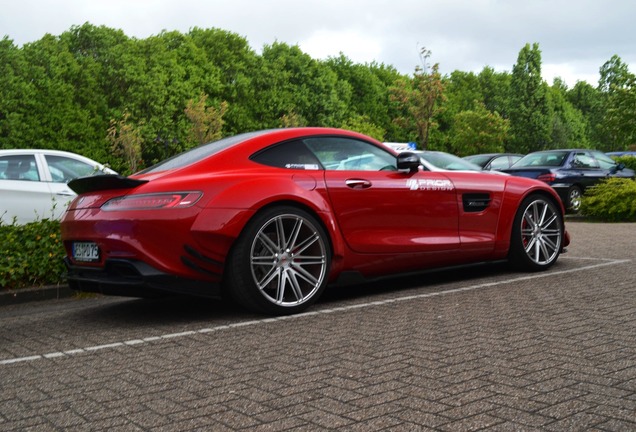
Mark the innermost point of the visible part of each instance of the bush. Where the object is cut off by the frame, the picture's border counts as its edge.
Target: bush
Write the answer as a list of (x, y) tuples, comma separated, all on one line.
[(612, 200), (31, 254), (629, 161)]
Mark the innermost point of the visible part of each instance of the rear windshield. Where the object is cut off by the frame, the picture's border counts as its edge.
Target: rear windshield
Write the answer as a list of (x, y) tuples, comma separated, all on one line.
[(198, 153)]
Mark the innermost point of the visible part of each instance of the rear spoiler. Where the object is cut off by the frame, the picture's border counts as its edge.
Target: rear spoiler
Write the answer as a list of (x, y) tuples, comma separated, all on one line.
[(103, 182)]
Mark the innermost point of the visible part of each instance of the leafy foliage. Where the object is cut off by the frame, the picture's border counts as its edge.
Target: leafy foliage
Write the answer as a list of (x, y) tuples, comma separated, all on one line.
[(628, 161), (478, 131), (207, 122), (31, 254), (420, 100), (125, 141), (613, 200), (529, 109), (65, 92)]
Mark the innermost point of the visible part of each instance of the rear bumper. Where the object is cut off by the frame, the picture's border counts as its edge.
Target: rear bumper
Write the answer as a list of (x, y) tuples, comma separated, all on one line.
[(132, 278)]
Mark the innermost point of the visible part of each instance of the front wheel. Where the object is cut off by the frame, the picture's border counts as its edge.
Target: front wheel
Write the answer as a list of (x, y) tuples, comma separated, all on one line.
[(280, 262), (537, 234)]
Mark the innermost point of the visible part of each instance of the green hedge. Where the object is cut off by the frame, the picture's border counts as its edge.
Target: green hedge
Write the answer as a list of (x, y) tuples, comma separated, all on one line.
[(31, 255), (612, 200), (629, 161)]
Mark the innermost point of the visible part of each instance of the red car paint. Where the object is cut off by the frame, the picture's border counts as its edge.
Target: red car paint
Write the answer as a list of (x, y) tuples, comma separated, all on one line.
[(378, 222)]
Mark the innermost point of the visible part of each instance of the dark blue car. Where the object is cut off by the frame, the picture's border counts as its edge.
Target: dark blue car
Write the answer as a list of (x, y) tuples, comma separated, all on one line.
[(569, 172)]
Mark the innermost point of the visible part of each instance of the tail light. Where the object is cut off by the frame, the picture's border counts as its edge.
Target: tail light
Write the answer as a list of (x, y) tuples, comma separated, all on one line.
[(152, 201), (548, 178)]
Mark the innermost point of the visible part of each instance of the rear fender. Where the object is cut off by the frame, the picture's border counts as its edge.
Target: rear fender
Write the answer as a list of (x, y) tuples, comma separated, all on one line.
[(225, 215)]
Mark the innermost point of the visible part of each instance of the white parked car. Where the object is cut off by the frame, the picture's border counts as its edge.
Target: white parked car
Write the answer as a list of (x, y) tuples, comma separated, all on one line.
[(33, 183)]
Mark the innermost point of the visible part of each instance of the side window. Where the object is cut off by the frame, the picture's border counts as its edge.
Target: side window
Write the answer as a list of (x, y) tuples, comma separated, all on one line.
[(514, 159), (19, 167), (338, 153), (604, 161), (499, 163), (290, 155), (64, 169), (584, 160)]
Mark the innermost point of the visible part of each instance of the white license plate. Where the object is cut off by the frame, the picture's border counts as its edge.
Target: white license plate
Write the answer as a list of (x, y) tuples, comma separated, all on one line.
[(85, 252)]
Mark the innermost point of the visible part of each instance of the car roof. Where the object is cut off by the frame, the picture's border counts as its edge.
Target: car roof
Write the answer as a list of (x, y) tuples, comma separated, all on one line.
[(39, 151), (496, 154)]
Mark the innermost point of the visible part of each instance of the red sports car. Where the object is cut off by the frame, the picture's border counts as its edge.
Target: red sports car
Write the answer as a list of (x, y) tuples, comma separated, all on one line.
[(271, 217)]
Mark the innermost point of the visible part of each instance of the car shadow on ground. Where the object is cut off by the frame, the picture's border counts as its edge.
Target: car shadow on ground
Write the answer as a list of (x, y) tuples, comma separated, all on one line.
[(416, 281), (188, 310)]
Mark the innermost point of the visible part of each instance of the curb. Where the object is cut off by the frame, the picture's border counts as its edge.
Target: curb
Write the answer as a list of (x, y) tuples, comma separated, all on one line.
[(24, 295)]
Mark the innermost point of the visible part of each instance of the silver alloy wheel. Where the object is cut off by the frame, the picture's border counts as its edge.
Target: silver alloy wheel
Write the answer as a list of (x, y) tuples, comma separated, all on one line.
[(288, 259), (541, 232), (574, 198)]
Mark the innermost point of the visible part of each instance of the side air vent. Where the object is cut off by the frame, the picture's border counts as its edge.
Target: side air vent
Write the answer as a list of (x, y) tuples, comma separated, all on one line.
[(475, 202)]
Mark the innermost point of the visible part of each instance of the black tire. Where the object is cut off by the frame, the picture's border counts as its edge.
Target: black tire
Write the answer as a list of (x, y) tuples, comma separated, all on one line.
[(574, 199), (280, 262), (537, 234)]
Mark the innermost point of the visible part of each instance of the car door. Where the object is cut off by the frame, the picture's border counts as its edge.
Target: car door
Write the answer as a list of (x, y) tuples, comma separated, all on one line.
[(382, 210), (609, 166), (586, 169), (61, 169), (25, 196)]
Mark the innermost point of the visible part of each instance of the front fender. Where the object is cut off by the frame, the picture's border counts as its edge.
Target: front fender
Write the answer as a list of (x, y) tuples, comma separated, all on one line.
[(516, 190)]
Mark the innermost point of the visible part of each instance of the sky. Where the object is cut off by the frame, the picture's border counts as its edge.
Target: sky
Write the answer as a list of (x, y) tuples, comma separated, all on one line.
[(576, 37)]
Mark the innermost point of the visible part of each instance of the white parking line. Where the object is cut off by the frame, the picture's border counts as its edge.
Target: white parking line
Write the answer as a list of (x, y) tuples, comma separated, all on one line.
[(603, 263)]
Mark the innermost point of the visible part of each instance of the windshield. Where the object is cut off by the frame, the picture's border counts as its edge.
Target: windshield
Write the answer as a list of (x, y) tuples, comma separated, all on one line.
[(480, 160)]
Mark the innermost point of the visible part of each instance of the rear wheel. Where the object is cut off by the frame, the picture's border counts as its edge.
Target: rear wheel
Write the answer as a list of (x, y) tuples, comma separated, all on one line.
[(537, 234), (280, 263), (574, 199)]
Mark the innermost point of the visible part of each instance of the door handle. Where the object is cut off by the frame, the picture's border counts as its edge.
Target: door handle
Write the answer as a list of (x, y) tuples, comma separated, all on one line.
[(358, 183), (65, 193)]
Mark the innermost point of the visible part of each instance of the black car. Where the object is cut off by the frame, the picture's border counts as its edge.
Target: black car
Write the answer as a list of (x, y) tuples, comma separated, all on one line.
[(494, 161), (569, 172)]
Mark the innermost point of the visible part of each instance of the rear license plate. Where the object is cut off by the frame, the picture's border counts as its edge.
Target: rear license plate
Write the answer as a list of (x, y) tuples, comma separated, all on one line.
[(85, 252)]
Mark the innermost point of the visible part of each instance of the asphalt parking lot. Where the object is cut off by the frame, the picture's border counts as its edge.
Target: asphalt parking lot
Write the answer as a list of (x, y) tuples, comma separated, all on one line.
[(477, 349)]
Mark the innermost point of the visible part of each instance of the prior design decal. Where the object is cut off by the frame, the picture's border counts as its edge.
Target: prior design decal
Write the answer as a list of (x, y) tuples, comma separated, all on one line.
[(430, 184), (302, 166)]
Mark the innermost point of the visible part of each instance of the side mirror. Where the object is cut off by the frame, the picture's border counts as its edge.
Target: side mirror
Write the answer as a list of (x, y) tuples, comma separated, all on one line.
[(407, 161), (616, 168)]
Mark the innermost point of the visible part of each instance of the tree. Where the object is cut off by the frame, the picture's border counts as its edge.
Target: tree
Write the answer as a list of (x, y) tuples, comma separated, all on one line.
[(495, 89), (588, 101), (617, 86), (478, 131), (16, 96), (290, 81), (530, 117), (207, 122), (365, 93), (234, 65), (364, 125), (569, 127), (126, 141), (419, 99), (291, 120)]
